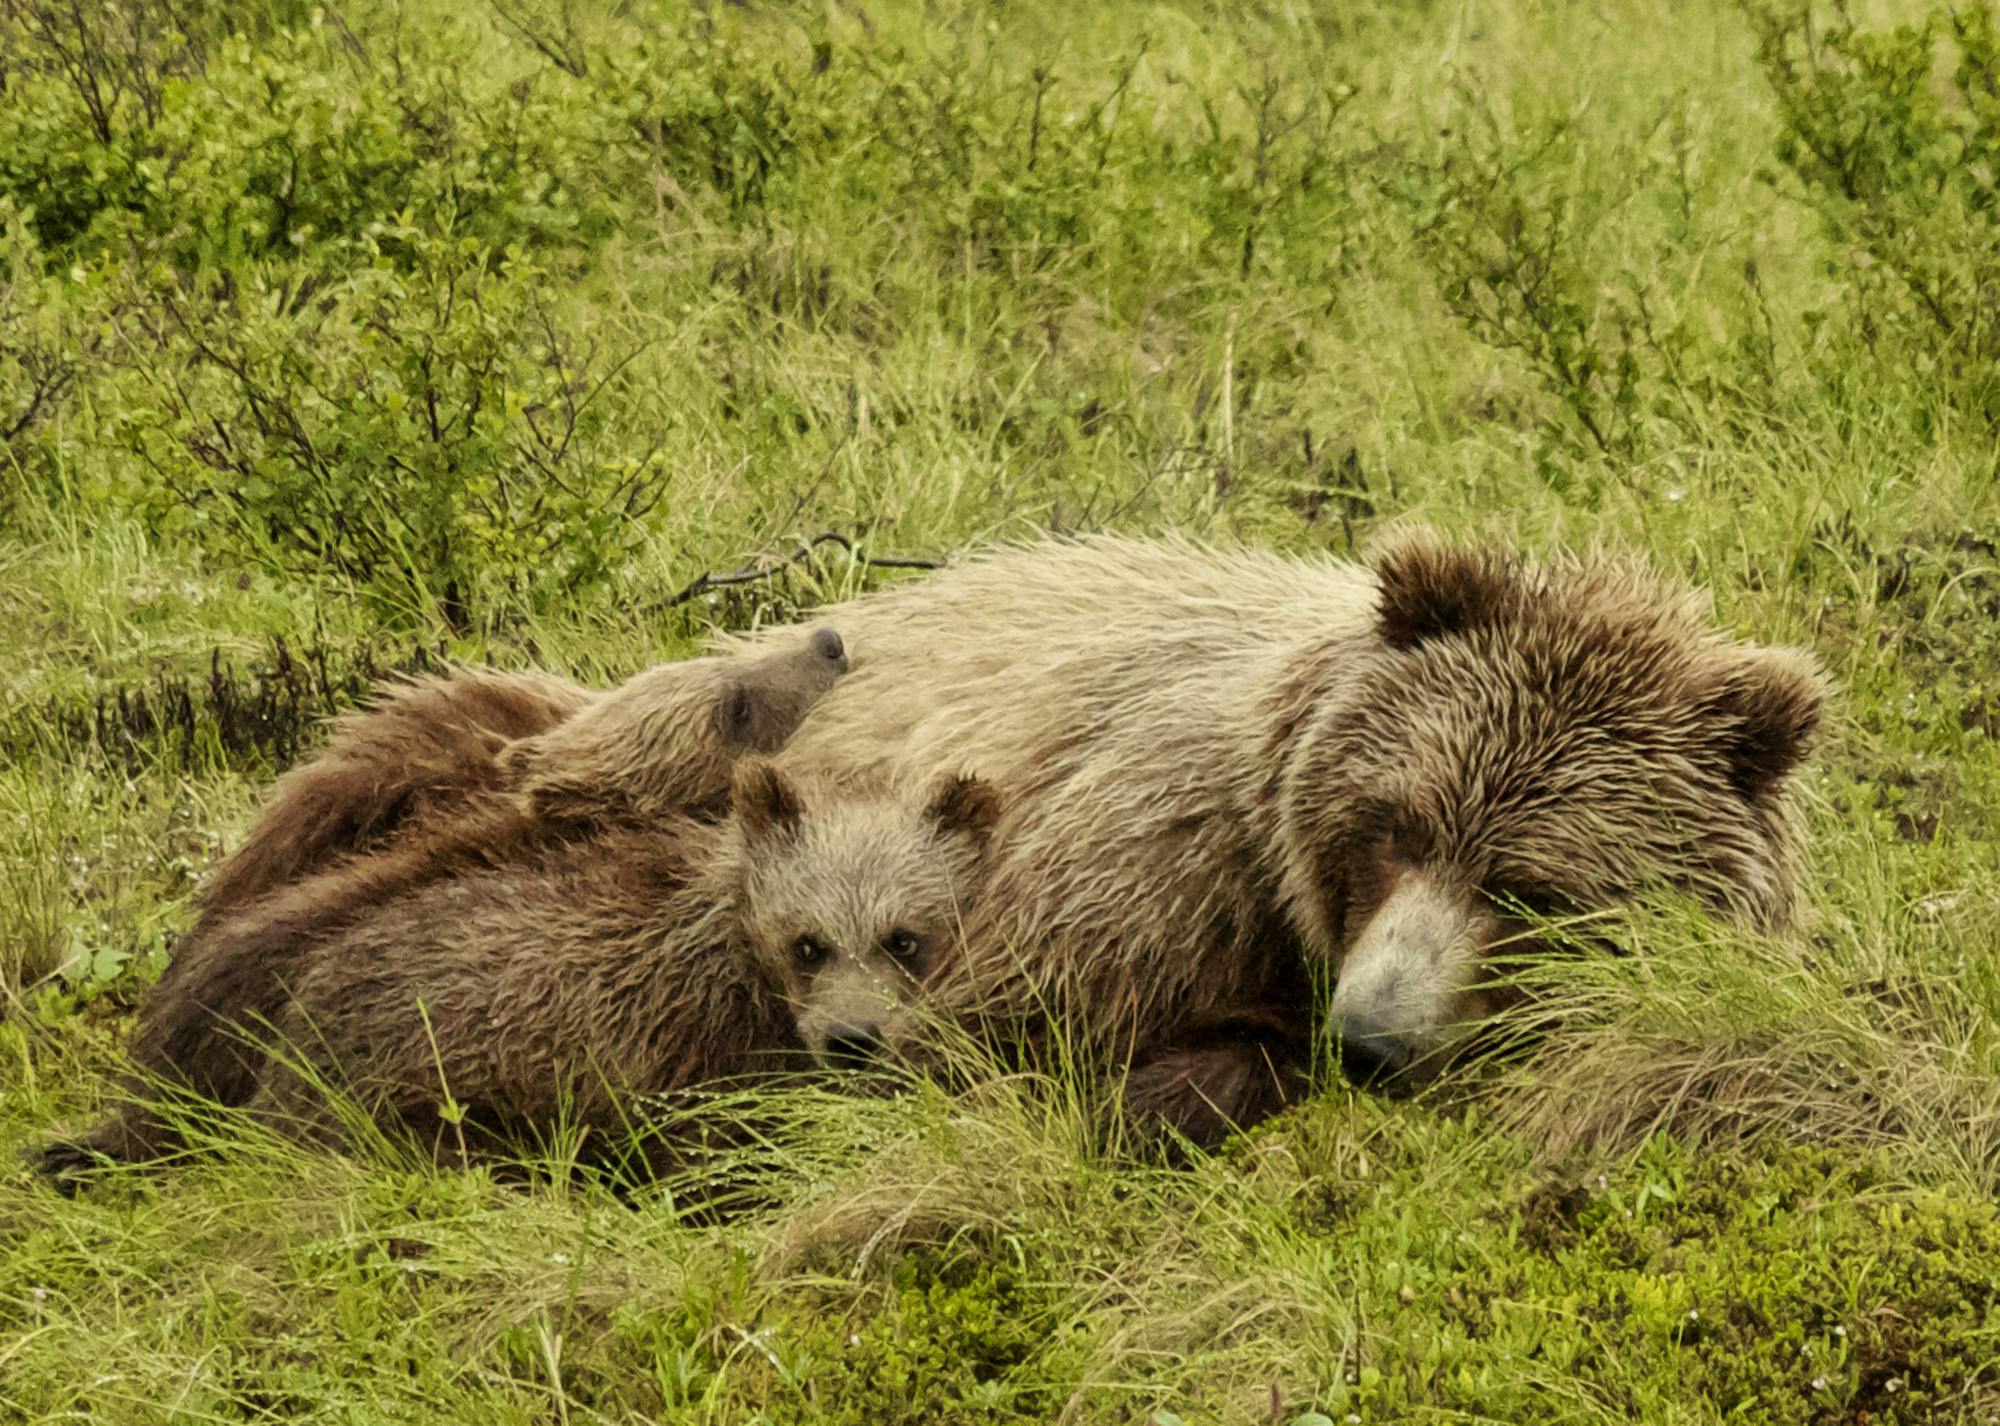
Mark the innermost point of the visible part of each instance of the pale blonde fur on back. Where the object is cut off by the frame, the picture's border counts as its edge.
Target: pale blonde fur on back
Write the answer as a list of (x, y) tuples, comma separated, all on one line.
[(1199, 744)]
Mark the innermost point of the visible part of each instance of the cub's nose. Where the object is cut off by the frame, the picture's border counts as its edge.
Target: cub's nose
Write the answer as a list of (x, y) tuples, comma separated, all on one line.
[(827, 644), (1370, 1053), (852, 1045)]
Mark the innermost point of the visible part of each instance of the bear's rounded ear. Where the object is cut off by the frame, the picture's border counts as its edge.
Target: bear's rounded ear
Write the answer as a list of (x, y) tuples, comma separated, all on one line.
[(1766, 707), (1432, 590), (965, 806), (735, 715), (764, 800)]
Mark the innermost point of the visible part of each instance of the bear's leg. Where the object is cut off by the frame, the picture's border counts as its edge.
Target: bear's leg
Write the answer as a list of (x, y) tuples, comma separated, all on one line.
[(187, 1052), (130, 1135), (234, 971), (1223, 1073)]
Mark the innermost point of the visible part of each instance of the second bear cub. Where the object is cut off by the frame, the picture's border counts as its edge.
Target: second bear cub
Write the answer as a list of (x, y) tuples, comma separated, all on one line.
[(848, 901), (640, 962)]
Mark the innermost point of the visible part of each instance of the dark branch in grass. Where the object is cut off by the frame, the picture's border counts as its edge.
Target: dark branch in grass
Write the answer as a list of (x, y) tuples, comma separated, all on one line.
[(564, 52), (770, 569)]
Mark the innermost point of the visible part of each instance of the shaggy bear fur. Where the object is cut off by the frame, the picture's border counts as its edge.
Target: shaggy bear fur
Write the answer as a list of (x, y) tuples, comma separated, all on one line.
[(426, 748), (643, 960), (364, 825), (1231, 772), (422, 748)]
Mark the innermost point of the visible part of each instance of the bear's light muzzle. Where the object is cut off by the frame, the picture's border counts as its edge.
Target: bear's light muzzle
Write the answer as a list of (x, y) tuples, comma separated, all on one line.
[(1398, 1004), (849, 1012)]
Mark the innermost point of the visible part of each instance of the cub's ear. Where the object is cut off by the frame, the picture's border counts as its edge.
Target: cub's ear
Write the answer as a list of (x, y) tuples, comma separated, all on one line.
[(1433, 590), (965, 806), (1766, 707), (764, 800)]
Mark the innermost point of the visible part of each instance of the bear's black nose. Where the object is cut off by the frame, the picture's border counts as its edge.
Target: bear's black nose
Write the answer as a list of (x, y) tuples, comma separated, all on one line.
[(852, 1045), (826, 644), (1370, 1053)]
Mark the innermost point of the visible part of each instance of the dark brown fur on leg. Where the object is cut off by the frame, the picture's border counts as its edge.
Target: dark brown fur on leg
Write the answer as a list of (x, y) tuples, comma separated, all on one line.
[(229, 980), (238, 969), (130, 1136), (1221, 1074)]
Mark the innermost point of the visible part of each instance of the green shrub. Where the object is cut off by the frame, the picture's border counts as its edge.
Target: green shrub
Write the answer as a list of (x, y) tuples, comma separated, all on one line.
[(1031, 168), (50, 340), (1516, 227), (1901, 168), (429, 430), (171, 133)]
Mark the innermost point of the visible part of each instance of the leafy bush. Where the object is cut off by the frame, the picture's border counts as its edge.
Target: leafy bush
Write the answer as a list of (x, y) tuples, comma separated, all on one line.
[(53, 338), (1036, 167), (131, 125), (1521, 234), (1902, 171), (428, 429)]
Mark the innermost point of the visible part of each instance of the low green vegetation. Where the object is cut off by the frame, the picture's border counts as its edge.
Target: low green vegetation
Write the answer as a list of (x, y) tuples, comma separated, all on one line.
[(342, 339)]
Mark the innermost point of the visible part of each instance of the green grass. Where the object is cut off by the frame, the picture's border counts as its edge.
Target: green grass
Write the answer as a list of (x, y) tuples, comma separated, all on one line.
[(386, 332)]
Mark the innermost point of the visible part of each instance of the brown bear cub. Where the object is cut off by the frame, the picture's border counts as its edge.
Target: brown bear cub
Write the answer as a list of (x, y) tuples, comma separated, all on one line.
[(427, 749), (847, 901), (644, 960), (441, 779)]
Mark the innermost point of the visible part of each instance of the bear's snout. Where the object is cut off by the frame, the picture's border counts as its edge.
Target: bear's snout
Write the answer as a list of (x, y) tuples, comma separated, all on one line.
[(1406, 981), (825, 643), (1371, 1051), (852, 1045)]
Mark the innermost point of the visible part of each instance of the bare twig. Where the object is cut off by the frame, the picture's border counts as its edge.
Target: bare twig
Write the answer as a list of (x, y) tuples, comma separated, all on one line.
[(565, 52), (770, 569)]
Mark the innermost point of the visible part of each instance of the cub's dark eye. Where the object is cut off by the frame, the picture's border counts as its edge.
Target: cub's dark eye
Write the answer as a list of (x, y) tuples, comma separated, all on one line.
[(903, 945), (807, 951)]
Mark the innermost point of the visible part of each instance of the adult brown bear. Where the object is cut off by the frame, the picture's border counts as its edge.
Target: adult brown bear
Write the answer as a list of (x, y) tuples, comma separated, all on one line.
[(1227, 768)]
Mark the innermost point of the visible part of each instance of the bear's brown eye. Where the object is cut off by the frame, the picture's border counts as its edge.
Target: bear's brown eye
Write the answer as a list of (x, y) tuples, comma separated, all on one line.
[(1537, 903), (903, 945), (807, 951), (1410, 839)]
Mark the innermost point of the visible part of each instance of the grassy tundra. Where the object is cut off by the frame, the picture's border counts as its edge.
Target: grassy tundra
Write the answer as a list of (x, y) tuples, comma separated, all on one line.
[(339, 338)]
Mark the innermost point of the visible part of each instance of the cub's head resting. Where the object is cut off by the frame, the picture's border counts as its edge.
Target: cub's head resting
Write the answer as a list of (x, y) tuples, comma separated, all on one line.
[(666, 740), (1525, 742), (851, 903)]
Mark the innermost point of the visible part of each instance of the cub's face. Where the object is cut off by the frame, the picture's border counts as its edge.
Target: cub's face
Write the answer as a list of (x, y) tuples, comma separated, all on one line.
[(1528, 747), (666, 741), (851, 904), (765, 702)]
